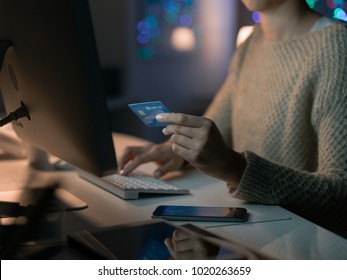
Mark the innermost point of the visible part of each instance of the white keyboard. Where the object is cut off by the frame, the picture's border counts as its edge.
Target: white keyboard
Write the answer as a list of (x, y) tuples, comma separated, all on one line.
[(129, 187), (135, 184)]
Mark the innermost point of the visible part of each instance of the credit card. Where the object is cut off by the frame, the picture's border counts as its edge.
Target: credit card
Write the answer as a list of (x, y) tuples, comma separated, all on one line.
[(147, 111)]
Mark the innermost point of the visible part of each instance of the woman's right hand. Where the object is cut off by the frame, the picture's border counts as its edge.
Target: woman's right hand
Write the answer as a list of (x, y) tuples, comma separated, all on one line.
[(162, 154)]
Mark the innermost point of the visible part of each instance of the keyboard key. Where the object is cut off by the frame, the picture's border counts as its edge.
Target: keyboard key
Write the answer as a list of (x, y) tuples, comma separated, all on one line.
[(145, 184)]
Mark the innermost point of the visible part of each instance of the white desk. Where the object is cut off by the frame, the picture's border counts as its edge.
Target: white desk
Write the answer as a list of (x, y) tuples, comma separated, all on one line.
[(271, 229)]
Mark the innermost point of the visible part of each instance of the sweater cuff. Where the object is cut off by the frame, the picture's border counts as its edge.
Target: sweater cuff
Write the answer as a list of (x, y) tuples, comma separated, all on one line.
[(257, 181)]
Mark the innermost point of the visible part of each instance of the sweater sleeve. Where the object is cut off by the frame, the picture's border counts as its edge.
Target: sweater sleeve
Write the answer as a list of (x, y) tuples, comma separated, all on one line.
[(320, 196)]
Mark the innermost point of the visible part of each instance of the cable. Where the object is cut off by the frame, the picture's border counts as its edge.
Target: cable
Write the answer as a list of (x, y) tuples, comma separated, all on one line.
[(21, 112)]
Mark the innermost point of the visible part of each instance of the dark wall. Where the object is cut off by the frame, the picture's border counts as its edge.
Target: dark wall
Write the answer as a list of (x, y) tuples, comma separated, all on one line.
[(183, 81)]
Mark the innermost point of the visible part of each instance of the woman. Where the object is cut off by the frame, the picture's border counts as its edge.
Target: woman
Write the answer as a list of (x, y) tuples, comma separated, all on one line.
[(276, 131)]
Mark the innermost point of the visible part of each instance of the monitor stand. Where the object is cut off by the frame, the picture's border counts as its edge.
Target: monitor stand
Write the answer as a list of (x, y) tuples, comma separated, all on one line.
[(69, 201), (39, 160)]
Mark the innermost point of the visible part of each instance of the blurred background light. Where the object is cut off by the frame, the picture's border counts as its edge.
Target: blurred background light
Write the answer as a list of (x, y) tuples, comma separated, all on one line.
[(160, 21), (335, 9), (256, 17), (183, 39)]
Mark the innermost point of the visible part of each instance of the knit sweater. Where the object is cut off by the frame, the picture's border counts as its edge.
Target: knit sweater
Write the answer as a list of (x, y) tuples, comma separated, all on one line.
[(284, 103)]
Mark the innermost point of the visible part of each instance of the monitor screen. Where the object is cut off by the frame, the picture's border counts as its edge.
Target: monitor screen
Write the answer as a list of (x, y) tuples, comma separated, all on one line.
[(50, 64)]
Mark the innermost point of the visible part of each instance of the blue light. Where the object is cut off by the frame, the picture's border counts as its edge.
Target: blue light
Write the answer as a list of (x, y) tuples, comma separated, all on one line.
[(159, 17), (256, 17), (171, 18), (143, 37), (338, 2), (155, 32), (311, 3), (152, 20), (171, 7), (143, 26), (145, 53), (340, 14)]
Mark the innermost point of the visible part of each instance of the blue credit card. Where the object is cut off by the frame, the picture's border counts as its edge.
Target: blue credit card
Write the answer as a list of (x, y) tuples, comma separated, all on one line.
[(147, 111)]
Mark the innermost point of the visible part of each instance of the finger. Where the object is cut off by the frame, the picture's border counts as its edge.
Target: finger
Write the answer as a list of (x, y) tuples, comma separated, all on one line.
[(182, 255), (184, 141), (169, 246), (180, 235), (182, 245), (139, 160), (189, 155), (181, 119), (179, 129), (129, 154), (187, 255), (130, 166), (170, 165)]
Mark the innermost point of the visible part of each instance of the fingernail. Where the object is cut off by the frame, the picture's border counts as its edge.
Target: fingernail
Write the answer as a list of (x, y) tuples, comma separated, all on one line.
[(121, 172), (166, 242), (157, 174), (159, 117), (164, 130)]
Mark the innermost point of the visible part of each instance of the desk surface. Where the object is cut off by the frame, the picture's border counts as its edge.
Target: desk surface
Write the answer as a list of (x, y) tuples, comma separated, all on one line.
[(271, 230)]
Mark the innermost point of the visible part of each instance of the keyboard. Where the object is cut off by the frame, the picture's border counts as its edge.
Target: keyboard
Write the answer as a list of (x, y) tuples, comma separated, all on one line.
[(130, 187)]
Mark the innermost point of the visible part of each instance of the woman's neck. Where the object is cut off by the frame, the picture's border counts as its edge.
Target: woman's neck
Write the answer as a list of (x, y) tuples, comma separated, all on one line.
[(288, 20)]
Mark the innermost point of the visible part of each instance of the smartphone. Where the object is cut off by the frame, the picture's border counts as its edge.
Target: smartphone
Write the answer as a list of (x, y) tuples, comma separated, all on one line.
[(201, 213)]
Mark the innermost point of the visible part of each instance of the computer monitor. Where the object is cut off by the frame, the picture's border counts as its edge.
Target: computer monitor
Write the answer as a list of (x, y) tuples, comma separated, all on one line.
[(49, 64)]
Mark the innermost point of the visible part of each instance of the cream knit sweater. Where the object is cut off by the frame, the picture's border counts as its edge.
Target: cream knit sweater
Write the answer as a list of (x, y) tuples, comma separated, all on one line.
[(285, 104)]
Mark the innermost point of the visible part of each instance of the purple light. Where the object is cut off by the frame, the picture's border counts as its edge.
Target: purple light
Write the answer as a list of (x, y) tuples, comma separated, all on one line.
[(186, 20), (331, 4), (256, 17)]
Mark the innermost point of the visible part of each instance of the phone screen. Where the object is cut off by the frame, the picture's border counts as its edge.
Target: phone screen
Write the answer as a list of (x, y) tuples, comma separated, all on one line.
[(201, 213)]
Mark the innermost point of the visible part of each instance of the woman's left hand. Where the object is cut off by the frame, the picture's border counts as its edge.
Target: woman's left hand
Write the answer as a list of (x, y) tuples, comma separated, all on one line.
[(198, 141)]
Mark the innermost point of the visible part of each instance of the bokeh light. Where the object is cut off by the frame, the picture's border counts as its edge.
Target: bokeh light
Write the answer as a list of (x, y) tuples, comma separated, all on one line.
[(183, 39), (335, 9), (340, 14), (160, 19), (256, 17)]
